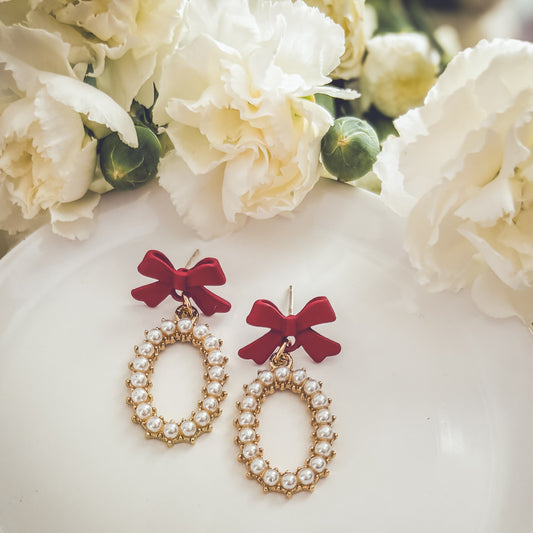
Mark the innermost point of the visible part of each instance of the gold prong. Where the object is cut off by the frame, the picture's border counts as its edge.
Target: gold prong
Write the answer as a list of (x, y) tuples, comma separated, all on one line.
[(191, 259)]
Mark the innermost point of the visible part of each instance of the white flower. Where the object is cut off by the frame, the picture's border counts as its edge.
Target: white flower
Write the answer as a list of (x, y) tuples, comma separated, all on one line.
[(47, 160), (238, 100), (349, 14), (120, 39), (462, 171), (398, 71)]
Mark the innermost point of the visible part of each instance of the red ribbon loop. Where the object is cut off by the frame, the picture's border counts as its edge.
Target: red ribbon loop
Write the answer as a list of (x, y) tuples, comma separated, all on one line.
[(190, 281), (265, 314)]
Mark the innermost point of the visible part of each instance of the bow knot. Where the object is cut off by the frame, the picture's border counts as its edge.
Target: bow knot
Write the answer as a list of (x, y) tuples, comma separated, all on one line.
[(265, 314), (190, 281), (179, 279), (291, 326)]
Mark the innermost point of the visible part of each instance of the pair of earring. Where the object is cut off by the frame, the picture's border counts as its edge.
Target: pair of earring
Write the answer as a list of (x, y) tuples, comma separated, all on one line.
[(188, 284)]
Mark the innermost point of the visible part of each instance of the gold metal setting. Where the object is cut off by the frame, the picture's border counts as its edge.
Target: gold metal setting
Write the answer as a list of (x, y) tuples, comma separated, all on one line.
[(281, 376), (184, 328)]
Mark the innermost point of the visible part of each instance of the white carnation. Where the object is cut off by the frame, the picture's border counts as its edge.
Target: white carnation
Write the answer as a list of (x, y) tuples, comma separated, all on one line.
[(398, 71), (349, 15), (237, 99), (122, 40), (47, 160), (462, 172)]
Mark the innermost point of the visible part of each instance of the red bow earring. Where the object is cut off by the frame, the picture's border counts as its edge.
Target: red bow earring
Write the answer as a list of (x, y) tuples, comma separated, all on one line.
[(184, 285), (277, 346)]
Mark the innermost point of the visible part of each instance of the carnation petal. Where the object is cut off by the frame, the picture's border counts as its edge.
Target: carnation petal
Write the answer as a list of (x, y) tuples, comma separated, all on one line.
[(196, 197), (18, 46), (74, 220), (122, 78), (97, 105), (300, 52), (499, 300)]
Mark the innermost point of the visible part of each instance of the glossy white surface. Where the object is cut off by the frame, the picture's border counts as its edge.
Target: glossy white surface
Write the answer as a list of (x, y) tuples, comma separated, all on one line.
[(433, 400)]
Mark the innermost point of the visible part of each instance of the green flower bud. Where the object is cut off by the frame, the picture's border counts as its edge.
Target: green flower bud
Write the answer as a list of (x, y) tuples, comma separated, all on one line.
[(125, 167), (349, 148)]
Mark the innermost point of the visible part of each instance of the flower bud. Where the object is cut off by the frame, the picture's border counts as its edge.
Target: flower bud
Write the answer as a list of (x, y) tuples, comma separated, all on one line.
[(125, 167), (349, 148)]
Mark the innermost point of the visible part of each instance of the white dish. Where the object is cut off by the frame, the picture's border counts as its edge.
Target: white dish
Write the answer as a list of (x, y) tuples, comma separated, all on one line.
[(433, 400)]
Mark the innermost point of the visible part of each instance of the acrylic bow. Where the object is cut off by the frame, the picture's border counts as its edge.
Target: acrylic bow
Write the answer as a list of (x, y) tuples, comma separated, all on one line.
[(265, 314), (190, 281)]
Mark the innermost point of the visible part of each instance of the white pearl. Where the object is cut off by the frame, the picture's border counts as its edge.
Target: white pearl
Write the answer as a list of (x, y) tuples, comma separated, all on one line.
[(246, 419), (289, 481), (202, 418), (317, 463), (257, 465), (306, 476), (311, 386), (168, 327), (210, 404), (188, 428), (246, 434), (141, 364), (250, 450), (154, 336), (323, 448), (146, 349), (139, 395), (171, 430), (144, 410), (298, 376), (282, 373), (322, 416), (154, 424), (211, 343), (216, 372), (184, 325), (138, 379), (214, 388), (266, 377), (200, 331), (254, 388), (215, 358), (271, 477), (319, 400), (324, 432), (249, 403)]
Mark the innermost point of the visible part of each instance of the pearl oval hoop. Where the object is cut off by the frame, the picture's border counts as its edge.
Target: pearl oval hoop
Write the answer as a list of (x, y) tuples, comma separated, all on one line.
[(184, 328), (270, 478)]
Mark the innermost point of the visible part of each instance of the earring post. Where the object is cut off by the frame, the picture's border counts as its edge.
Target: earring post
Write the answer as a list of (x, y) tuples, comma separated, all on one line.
[(291, 299), (191, 259)]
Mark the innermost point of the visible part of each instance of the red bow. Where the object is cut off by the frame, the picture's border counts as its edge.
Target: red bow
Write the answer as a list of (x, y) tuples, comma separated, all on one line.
[(265, 314), (190, 281)]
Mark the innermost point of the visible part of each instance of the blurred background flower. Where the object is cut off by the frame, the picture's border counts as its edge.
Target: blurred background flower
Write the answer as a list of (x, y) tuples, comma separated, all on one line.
[(467, 191), (47, 157)]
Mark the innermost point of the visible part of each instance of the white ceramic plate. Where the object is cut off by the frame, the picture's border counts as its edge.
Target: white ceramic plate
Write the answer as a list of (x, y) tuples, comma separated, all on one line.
[(433, 400)]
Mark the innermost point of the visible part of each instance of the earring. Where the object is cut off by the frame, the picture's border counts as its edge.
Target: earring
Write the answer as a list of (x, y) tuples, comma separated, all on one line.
[(190, 282), (277, 346)]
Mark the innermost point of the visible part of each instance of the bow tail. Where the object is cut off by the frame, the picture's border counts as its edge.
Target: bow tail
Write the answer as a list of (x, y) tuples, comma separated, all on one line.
[(152, 294), (317, 346), (208, 302), (261, 349)]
